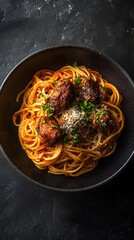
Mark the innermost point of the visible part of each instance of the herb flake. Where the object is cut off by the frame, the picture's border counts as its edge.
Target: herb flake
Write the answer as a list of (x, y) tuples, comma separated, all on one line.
[(66, 140), (48, 108), (75, 64), (77, 80), (54, 82)]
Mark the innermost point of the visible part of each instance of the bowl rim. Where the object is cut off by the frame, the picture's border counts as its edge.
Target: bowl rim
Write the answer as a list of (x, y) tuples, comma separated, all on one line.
[(66, 46), (43, 50)]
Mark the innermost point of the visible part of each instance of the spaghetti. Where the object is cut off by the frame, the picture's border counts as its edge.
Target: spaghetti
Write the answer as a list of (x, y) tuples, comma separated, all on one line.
[(69, 119)]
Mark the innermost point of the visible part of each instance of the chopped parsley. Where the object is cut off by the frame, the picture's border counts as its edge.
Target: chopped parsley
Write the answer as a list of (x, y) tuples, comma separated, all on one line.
[(75, 64), (75, 135), (88, 118), (66, 140), (48, 108), (88, 108), (39, 94), (54, 82), (77, 80), (46, 96), (43, 121), (72, 137), (99, 114), (100, 121), (54, 126), (75, 141)]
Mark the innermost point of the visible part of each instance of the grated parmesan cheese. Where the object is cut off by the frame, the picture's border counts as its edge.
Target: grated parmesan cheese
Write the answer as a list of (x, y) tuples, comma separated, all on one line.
[(71, 118)]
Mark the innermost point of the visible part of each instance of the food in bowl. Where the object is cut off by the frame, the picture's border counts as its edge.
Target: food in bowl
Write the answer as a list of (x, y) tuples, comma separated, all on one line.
[(69, 119)]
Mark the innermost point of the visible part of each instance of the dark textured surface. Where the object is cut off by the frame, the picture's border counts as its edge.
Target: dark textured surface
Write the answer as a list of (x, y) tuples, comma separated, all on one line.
[(28, 211)]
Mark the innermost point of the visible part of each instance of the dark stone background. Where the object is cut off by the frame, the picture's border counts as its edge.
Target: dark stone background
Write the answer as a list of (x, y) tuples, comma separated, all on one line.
[(27, 211)]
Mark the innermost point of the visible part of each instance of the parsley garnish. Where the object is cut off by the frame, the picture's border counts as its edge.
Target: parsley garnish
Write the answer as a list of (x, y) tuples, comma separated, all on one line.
[(54, 126), (66, 140), (39, 93), (48, 108), (54, 82), (88, 108), (72, 137), (43, 121), (75, 135), (75, 64), (101, 112), (98, 117), (88, 119), (75, 141), (46, 96), (77, 80)]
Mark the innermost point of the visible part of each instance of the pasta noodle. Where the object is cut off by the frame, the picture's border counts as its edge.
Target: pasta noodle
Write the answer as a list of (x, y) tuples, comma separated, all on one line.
[(75, 147)]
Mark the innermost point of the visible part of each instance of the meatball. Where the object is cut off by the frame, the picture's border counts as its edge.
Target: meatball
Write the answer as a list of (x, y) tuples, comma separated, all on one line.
[(62, 95), (89, 90), (86, 133), (103, 119), (49, 131), (71, 118)]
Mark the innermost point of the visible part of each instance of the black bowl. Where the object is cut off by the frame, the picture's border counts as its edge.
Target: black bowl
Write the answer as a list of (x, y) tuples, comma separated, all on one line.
[(54, 58)]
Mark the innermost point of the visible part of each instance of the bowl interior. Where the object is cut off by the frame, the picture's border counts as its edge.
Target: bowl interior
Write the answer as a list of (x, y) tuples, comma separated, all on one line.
[(54, 58)]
